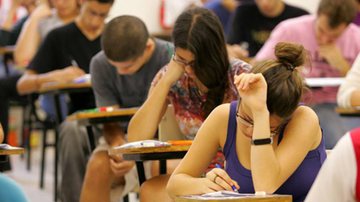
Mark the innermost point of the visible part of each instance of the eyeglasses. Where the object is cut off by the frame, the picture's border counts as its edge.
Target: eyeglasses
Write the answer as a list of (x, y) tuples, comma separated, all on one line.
[(249, 124), (182, 62)]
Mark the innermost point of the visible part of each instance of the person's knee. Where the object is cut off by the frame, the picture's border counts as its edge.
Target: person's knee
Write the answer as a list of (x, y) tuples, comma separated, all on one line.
[(154, 188), (98, 163)]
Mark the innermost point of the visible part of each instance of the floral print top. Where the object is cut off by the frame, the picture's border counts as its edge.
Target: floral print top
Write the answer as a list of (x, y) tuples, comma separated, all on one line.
[(187, 99)]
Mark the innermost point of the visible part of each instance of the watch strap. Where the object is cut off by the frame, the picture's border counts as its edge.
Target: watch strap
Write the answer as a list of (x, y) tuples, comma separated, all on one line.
[(262, 141)]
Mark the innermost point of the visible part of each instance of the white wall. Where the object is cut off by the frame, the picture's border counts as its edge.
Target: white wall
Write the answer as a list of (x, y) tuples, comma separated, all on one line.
[(149, 10), (309, 5), (146, 10)]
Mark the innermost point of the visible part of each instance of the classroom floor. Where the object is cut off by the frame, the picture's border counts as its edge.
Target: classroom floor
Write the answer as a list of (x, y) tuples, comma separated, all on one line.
[(30, 180)]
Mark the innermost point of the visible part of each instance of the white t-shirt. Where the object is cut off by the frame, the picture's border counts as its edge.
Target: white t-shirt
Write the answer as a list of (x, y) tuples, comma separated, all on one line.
[(336, 180), (5, 7), (351, 83)]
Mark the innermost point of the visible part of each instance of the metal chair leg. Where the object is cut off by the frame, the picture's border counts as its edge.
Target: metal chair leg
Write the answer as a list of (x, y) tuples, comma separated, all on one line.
[(43, 157)]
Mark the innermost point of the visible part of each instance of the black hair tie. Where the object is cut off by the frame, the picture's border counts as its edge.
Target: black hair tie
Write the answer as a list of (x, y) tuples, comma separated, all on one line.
[(289, 66)]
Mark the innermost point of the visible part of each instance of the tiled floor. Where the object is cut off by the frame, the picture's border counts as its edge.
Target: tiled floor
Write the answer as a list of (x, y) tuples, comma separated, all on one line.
[(30, 180)]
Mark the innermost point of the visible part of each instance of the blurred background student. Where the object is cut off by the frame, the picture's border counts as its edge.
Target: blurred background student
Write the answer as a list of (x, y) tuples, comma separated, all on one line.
[(333, 43), (338, 179), (265, 15)]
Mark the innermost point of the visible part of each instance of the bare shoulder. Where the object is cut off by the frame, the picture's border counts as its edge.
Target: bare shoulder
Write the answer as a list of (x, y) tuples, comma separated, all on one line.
[(304, 125), (217, 122), (306, 114), (221, 110), (220, 115)]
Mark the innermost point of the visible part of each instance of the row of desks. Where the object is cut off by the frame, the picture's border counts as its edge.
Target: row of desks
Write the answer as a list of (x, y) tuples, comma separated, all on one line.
[(88, 119), (138, 155)]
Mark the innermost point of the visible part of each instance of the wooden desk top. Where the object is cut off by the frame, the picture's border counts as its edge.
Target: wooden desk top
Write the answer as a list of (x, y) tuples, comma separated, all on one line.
[(9, 150), (148, 150), (354, 111), (6, 49), (92, 115), (267, 198), (54, 86)]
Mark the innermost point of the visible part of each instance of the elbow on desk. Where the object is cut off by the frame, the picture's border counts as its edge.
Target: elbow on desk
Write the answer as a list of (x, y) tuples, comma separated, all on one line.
[(171, 188), (137, 132), (267, 187), (134, 136), (20, 86), (27, 85), (1, 134)]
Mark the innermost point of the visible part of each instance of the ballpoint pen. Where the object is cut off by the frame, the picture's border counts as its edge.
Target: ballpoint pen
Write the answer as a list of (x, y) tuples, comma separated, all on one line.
[(232, 186)]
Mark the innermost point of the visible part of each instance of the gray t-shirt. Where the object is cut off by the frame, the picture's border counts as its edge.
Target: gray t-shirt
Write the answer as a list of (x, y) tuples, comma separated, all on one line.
[(49, 23), (111, 88)]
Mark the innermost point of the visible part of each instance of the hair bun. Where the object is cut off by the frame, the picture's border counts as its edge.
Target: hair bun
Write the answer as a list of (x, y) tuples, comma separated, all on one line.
[(290, 54)]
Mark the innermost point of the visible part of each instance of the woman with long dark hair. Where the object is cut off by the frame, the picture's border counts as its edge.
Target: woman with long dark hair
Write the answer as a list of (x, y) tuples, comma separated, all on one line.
[(271, 143), (198, 78)]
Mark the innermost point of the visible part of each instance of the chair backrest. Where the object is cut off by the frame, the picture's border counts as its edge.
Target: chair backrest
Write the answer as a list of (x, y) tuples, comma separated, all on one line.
[(168, 126)]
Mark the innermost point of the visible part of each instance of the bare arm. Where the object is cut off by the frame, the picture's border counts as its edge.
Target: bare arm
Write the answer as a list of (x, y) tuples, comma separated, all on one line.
[(9, 20), (271, 166), (31, 81), (29, 39), (113, 134), (1, 134), (144, 123), (349, 92), (335, 58), (186, 178), (355, 98)]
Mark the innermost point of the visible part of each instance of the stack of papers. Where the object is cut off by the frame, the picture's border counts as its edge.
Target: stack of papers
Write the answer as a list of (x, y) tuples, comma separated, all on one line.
[(144, 144), (219, 195), (7, 147), (83, 79)]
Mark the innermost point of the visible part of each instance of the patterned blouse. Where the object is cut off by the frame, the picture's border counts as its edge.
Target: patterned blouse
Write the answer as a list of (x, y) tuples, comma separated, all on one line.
[(187, 99)]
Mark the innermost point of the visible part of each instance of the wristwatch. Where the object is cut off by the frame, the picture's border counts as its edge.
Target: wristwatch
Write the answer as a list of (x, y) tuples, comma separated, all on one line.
[(262, 141)]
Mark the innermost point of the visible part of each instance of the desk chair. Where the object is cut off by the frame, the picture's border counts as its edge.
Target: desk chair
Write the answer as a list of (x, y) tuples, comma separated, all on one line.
[(168, 129), (31, 121), (7, 58), (168, 126)]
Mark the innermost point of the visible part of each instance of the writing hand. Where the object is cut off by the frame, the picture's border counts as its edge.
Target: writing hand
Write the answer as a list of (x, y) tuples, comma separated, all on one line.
[(68, 74), (219, 180)]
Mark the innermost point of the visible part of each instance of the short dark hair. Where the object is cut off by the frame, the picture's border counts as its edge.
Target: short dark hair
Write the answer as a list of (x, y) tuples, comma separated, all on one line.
[(338, 11), (199, 30), (124, 38)]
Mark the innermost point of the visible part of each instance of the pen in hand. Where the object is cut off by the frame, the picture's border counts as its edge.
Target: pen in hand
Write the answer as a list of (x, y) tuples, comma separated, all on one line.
[(232, 186)]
